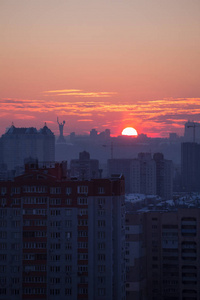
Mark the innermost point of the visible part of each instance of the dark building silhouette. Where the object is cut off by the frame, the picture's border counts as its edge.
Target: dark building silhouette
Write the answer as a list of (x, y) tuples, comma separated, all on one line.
[(145, 175), (164, 176), (18, 144), (60, 238), (84, 167), (120, 166), (190, 167)]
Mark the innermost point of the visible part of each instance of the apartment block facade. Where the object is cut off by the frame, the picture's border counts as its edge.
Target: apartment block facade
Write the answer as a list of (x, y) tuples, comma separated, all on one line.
[(162, 253), (145, 174), (60, 238)]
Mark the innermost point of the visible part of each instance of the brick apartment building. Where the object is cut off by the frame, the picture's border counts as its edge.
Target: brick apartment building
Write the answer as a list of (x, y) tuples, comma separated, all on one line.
[(61, 238)]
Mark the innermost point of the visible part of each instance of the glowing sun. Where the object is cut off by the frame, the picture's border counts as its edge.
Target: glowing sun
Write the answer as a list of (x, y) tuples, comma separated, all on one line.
[(130, 131)]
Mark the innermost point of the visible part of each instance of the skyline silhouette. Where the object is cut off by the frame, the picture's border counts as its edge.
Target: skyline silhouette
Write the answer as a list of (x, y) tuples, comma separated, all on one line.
[(99, 64)]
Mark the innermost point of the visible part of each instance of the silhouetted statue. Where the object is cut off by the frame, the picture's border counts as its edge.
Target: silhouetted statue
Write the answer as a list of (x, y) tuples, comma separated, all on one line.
[(61, 137)]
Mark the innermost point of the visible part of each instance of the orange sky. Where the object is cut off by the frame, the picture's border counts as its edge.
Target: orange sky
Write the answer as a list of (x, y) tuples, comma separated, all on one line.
[(100, 64)]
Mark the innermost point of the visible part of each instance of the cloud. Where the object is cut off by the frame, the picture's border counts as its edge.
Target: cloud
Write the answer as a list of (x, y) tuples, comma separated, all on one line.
[(23, 117), (85, 120), (80, 93), (165, 115)]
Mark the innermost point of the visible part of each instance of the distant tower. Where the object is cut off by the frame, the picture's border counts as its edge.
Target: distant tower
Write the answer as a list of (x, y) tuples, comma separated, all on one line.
[(61, 137)]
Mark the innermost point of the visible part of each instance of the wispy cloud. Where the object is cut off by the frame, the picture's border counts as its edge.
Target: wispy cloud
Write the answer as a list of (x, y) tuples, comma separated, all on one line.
[(79, 93)]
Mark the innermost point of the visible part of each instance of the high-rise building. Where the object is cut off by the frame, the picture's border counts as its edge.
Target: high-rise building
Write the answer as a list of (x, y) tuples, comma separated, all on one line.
[(190, 167), (18, 144), (61, 238), (143, 174), (162, 256), (84, 167), (164, 176), (120, 166)]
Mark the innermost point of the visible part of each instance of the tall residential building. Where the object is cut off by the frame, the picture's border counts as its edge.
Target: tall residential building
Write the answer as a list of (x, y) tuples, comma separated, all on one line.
[(120, 166), (162, 256), (164, 176), (190, 167), (143, 175), (151, 176), (61, 238), (18, 144), (84, 167)]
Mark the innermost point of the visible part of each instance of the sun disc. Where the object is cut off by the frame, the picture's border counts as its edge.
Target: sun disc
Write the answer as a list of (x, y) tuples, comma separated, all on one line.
[(129, 131)]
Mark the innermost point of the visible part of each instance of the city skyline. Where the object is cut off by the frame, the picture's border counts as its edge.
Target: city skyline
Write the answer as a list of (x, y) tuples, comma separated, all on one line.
[(100, 64)]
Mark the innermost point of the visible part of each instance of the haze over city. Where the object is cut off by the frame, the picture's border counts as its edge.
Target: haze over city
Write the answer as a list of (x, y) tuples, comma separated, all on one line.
[(100, 64)]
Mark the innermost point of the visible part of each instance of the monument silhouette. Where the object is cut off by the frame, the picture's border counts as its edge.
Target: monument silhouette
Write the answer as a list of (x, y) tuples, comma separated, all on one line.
[(61, 138)]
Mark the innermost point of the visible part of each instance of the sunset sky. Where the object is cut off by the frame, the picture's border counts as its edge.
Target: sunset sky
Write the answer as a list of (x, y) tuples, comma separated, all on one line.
[(100, 64)]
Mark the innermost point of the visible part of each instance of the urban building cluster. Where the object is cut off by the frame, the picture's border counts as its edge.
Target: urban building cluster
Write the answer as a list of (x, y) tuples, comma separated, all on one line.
[(145, 175), (82, 231), (162, 242)]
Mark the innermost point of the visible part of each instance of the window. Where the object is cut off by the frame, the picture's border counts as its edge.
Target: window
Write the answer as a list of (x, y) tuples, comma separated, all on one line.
[(54, 280), (68, 190), (68, 268), (68, 291), (83, 222), (82, 201), (55, 235), (16, 201), (82, 245), (54, 292), (55, 246), (101, 190), (55, 223), (55, 201), (3, 201), (101, 223), (3, 190), (54, 269), (82, 268), (101, 234), (101, 292), (101, 257), (3, 234), (82, 189), (83, 212), (68, 201), (101, 246), (82, 256), (101, 268), (101, 201), (55, 257), (68, 257), (55, 190), (83, 291), (101, 212), (34, 189), (55, 212), (15, 190), (82, 233), (68, 223)]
